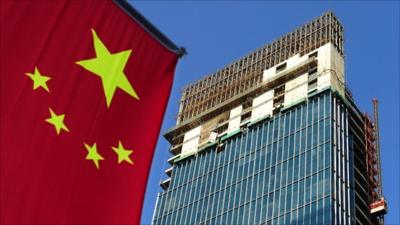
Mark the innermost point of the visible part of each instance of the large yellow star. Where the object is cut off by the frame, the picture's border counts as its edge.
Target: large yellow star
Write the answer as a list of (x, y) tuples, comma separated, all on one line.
[(57, 121), (93, 154), (110, 68), (123, 154), (38, 80)]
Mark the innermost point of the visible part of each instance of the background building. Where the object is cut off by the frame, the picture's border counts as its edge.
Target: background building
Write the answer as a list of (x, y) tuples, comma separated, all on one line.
[(275, 138)]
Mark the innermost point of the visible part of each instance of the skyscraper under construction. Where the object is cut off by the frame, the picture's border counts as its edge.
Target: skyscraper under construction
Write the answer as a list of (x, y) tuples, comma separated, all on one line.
[(275, 138)]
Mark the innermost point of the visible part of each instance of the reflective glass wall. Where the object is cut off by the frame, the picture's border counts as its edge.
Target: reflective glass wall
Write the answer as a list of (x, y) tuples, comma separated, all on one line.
[(282, 170)]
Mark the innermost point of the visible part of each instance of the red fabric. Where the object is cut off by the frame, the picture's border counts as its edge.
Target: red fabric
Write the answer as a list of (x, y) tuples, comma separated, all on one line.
[(45, 178)]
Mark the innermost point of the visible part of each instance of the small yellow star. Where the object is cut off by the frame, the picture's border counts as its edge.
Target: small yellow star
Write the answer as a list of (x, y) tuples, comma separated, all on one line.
[(57, 121), (123, 154), (93, 154), (38, 80)]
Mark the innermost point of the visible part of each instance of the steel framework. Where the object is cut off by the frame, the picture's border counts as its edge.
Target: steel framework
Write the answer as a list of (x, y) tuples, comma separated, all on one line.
[(247, 72)]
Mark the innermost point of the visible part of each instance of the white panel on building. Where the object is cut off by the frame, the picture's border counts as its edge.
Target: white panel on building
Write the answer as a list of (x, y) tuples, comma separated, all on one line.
[(296, 89), (294, 60), (268, 74), (324, 80), (191, 140), (262, 105), (330, 73), (234, 119), (330, 68), (213, 136), (290, 63), (324, 59)]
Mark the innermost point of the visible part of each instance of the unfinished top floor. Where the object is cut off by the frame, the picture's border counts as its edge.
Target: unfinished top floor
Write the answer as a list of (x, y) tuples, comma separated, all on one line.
[(238, 77), (282, 86)]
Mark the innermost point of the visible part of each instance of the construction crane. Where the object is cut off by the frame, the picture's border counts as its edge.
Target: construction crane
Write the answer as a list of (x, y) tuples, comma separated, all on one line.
[(378, 207)]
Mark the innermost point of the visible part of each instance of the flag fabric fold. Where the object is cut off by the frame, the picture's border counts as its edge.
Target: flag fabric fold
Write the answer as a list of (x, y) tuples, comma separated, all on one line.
[(83, 92)]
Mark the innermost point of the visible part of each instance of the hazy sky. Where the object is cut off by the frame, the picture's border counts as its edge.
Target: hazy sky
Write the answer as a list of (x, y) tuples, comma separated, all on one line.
[(217, 33)]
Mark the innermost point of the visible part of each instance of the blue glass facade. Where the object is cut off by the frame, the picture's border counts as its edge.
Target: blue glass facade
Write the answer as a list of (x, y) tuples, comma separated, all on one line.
[(293, 168)]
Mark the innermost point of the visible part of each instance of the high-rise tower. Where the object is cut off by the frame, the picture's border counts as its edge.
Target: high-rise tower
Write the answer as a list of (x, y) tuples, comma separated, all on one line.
[(275, 138)]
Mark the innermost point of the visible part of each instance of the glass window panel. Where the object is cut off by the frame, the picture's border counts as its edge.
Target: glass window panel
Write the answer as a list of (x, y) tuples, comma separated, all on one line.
[(308, 162), (321, 161), (293, 218), (309, 112), (249, 189), (282, 201), (246, 213), (313, 213), (327, 211), (307, 214), (243, 192), (291, 145), (296, 170), (281, 126), (279, 152), (287, 123), (327, 131), (327, 182), (303, 140), (274, 153), (264, 139), (300, 216), (268, 156), (297, 143), (290, 171), (292, 120), (289, 198), (315, 109), (327, 106), (302, 165), (307, 192), (284, 173), (278, 176), (314, 187), (298, 117), (257, 213), (259, 137), (327, 150), (309, 137), (295, 195), (320, 184), (314, 160), (276, 127), (270, 205), (276, 203), (321, 131)]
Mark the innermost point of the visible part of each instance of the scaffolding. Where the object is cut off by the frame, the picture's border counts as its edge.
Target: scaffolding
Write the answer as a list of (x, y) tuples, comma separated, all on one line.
[(247, 72), (175, 135)]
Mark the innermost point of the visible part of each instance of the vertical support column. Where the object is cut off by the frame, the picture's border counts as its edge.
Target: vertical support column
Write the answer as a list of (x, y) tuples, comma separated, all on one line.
[(377, 145)]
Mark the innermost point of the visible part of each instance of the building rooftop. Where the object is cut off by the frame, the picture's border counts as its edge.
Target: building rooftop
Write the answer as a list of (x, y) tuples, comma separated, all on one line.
[(221, 90)]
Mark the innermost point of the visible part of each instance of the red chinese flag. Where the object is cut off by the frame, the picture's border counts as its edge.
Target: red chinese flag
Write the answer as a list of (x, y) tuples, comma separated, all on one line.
[(84, 87)]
